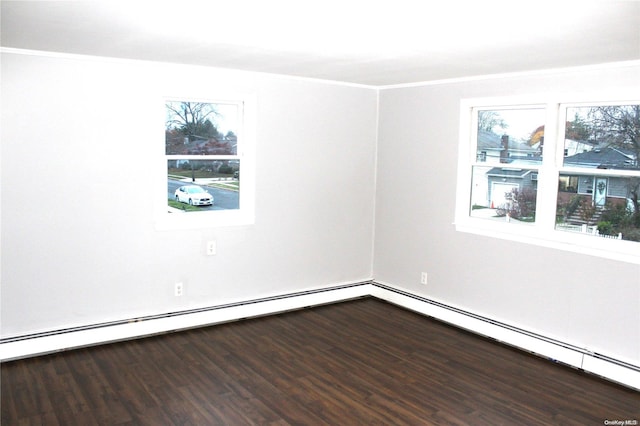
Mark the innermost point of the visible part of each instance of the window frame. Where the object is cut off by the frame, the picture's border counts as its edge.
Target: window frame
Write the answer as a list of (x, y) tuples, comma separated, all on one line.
[(245, 154), (542, 232)]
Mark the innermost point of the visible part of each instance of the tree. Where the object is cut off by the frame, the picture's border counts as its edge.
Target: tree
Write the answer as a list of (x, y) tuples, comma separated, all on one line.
[(617, 126), (633, 189), (489, 120), (577, 129), (520, 204), (209, 129), (537, 136), (192, 119)]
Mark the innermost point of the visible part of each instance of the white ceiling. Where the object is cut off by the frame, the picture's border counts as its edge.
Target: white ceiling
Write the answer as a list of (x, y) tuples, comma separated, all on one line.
[(364, 42)]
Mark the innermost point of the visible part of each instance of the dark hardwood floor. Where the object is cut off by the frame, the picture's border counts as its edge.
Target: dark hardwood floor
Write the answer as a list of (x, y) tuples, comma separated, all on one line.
[(362, 362)]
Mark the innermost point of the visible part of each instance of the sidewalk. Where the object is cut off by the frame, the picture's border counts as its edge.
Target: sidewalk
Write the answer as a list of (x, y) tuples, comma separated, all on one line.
[(201, 181)]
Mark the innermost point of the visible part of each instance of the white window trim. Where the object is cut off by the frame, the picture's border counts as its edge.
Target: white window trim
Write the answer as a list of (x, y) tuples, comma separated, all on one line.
[(245, 215), (542, 232)]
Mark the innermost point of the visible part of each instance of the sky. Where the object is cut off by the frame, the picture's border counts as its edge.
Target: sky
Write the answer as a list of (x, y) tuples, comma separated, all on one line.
[(521, 122)]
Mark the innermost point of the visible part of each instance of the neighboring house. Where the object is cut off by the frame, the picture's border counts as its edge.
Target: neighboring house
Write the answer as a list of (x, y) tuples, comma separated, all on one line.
[(603, 158), (602, 188), (503, 180), (492, 188), (492, 147), (573, 147), (178, 144)]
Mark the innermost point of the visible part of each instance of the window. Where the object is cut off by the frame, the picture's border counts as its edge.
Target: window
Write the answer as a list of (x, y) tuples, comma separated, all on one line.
[(509, 154), (556, 173), (207, 164)]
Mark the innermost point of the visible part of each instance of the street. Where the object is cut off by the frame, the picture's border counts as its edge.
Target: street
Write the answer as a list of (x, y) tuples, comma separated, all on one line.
[(222, 199)]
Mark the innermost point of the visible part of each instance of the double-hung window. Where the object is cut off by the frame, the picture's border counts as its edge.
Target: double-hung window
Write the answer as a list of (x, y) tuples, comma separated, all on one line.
[(207, 164), (562, 173)]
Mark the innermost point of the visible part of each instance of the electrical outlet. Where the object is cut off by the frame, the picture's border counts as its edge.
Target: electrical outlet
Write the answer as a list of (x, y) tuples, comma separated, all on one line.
[(179, 289), (212, 248), (423, 278)]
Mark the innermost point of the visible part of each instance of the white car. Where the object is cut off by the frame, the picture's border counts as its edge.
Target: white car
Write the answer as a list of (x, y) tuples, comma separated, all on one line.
[(194, 195)]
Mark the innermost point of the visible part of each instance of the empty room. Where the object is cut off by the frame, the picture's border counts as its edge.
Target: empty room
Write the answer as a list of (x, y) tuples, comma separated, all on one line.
[(359, 212)]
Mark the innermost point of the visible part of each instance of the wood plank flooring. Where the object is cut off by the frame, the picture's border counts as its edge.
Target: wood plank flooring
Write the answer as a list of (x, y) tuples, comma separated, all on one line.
[(362, 362)]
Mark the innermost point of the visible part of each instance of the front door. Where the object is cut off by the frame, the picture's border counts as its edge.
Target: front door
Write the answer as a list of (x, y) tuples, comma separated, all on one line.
[(600, 192)]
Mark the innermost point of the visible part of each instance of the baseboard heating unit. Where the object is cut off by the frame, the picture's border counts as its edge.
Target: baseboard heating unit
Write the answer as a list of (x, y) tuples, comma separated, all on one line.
[(107, 332), (604, 366), (23, 346)]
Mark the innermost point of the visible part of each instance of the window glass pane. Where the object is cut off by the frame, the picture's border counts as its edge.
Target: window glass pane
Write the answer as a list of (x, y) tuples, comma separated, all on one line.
[(510, 136), (599, 205), (603, 137), (201, 185), (504, 193), (198, 128)]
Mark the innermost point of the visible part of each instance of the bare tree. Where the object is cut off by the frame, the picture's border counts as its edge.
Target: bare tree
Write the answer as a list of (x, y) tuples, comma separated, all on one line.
[(618, 125), (488, 120), (193, 119)]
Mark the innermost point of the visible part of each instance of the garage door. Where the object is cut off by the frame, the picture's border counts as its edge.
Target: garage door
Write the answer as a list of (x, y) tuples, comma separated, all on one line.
[(499, 191)]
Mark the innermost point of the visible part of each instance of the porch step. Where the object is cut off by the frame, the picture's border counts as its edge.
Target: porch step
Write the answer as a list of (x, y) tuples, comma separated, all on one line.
[(580, 217)]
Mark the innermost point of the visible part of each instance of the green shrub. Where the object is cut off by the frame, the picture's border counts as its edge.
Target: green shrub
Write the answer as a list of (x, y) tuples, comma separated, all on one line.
[(618, 215), (605, 228), (225, 170), (631, 234)]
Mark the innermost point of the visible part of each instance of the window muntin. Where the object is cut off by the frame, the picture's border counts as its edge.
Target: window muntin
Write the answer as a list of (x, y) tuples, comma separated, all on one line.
[(557, 178), (202, 142)]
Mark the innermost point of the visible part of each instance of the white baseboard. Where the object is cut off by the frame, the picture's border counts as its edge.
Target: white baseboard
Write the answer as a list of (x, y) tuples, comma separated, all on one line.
[(556, 351), (60, 340)]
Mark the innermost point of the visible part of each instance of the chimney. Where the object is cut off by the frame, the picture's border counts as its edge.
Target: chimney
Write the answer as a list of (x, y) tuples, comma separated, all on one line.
[(504, 153)]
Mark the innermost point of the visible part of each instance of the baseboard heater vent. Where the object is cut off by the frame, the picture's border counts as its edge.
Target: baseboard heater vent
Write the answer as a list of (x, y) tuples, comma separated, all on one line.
[(555, 350), (33, 344)]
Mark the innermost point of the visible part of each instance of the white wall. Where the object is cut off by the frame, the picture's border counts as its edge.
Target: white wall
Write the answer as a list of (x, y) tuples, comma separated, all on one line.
[(79, 246), (588, 301), (81, 140)]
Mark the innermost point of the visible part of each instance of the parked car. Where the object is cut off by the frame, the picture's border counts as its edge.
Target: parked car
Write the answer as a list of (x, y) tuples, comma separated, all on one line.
[(194, 195)]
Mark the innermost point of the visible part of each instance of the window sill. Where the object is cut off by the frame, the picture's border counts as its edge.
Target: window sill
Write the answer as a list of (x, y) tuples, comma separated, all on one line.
[(620, 250), (203, 220)]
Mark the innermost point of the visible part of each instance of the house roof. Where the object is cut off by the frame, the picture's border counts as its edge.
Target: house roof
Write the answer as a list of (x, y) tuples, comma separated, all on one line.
[(603, 158), (507, 172), (488, 140)]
